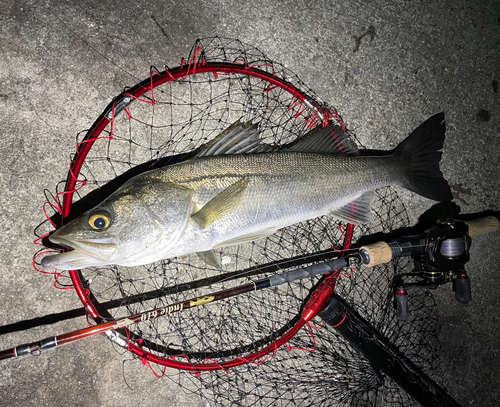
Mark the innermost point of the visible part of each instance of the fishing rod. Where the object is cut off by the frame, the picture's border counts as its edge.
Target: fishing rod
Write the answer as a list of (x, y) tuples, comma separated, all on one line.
[(450, 247), (36, 348)]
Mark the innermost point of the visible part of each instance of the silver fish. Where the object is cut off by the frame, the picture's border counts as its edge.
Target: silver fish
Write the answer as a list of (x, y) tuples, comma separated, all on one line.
[(237, 190)]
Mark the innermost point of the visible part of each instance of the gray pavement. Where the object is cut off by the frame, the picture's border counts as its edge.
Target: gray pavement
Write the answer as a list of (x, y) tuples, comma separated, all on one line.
[(61, 62)]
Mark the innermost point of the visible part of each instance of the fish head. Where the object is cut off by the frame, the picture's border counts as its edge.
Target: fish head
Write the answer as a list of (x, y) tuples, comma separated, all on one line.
[(135, 225)]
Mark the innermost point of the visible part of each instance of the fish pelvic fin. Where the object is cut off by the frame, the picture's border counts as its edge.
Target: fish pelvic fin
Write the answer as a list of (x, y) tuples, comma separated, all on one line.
[(248, 238), (419, 155), (221, 205), (357, 211), (210, 258)]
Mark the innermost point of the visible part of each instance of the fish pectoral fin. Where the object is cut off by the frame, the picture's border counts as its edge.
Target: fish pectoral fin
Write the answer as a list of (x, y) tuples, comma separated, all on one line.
[(221, 205), (210, 258), (357, 211), (247, 238)]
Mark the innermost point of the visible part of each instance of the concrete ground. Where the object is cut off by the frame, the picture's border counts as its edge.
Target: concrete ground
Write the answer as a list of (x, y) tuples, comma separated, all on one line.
[(385, 65)]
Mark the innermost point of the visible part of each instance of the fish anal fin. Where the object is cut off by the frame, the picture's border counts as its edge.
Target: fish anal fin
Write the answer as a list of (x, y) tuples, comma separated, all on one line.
[(357, 211), (221, 205)]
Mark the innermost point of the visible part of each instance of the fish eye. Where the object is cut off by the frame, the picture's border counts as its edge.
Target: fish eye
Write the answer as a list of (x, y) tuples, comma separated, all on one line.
[(99, 221)]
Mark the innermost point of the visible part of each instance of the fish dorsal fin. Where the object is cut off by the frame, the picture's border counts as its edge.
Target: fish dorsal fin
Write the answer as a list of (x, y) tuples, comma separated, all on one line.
[(357, 211), (329, 140), (238, 138), (221, 205)]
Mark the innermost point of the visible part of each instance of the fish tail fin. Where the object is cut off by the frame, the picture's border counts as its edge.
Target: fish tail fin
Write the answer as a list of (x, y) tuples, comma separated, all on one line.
[(420, 155)]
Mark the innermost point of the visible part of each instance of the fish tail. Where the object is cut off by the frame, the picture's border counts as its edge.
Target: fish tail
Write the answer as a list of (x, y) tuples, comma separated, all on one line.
[(420, 155)]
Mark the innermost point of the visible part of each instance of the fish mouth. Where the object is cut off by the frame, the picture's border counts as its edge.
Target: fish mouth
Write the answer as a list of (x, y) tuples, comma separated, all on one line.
[(79, 254)]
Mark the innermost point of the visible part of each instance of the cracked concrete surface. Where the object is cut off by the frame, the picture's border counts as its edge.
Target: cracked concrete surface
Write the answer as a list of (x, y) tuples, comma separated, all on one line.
[(386, 66)]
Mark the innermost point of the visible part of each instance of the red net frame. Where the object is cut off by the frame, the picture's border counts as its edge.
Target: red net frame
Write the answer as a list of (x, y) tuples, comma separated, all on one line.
[(318, 115)]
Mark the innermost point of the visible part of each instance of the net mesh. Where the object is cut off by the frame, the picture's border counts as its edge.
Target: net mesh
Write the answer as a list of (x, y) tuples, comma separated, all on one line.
[(317, 366)]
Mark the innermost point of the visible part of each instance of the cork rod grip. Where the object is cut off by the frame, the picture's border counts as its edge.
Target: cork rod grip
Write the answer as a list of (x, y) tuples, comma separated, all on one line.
[(377, 253), (478, 227)]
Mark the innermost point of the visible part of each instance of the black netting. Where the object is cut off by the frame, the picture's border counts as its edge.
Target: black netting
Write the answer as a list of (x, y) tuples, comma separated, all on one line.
[(164, 126)]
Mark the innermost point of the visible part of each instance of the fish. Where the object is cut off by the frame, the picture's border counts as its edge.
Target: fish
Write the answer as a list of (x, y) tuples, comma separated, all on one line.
[(236, 189)]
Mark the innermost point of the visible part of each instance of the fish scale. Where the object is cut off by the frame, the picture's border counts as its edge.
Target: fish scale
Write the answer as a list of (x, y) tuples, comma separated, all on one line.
[(328, 180)]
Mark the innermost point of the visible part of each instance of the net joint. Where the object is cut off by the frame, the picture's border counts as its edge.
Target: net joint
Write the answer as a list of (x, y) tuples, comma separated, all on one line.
[(118, 107), (312, 107), (116, 338)]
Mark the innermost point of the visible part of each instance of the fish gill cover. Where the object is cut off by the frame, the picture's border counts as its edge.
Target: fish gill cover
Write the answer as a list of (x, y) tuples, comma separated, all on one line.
[(163, 120)]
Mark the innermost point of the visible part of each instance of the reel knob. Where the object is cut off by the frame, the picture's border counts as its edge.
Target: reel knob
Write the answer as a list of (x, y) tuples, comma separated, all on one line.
[(461, 286), (402, 312)]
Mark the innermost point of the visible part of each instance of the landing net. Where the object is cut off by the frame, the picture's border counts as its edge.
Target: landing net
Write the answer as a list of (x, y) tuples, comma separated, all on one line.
[(163, 120)]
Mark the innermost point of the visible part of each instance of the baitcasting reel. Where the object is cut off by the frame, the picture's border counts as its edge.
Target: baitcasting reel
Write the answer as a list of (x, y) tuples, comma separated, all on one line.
[(440, 255)]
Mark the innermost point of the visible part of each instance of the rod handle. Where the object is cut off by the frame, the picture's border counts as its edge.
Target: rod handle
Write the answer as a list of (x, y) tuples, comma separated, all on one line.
[(376, 253), (478, 227), (382, 252)]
